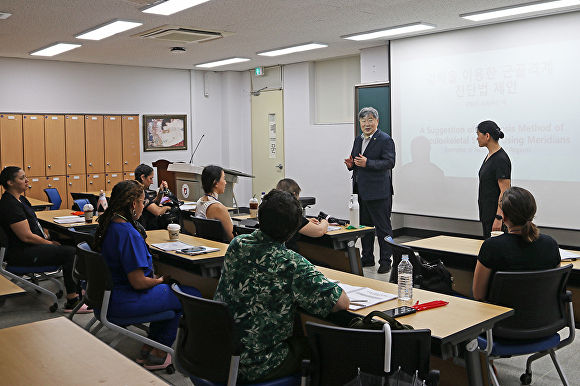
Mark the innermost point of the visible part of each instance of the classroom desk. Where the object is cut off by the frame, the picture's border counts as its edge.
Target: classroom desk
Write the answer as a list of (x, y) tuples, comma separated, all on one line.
[(39, 204), (208, 263), (342, 239), (8, 290), (453, 327), (460, 257), (46, 220), (97, 193), (59, 352)]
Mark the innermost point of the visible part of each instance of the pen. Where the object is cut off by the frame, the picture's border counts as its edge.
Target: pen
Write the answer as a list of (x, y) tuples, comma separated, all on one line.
[(359, 301)]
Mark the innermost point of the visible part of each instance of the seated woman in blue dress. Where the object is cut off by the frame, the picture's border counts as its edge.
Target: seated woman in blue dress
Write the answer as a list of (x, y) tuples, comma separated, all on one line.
[(137, 290), (523, 248)]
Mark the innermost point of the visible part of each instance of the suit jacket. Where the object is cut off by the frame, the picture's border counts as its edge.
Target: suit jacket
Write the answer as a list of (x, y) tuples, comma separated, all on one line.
[(374, 181)]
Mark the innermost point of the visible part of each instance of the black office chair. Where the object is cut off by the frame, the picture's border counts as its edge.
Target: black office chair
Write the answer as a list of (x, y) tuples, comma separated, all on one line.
[(79, 235), (16, 274), (242, 230), (338, 353), (210, 229), (422, 276), (53, 198), (97, 296), (208, 345), (542, 308)]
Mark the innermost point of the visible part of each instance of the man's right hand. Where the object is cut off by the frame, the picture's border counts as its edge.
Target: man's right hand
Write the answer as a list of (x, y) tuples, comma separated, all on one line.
[(349, 162)]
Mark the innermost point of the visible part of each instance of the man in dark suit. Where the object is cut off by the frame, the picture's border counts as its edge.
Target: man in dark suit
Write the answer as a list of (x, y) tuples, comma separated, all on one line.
[(371, 160)]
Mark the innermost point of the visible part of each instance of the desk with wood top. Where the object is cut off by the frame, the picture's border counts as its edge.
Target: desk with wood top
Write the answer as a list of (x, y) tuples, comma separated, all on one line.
[(340, 240), (59, 352), (46, 220), (39, 204), (453, 327), (9, 290)]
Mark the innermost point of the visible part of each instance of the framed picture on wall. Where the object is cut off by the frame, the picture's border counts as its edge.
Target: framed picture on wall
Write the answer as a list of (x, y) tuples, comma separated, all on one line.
[(164, 132)]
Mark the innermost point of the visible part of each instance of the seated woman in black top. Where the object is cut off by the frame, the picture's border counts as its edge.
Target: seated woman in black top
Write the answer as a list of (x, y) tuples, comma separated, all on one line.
[(28, 245), (523, 248), (309, 226), (153, 209)]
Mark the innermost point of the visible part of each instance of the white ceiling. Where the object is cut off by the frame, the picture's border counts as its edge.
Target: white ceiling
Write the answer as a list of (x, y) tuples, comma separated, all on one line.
[(258, 25)]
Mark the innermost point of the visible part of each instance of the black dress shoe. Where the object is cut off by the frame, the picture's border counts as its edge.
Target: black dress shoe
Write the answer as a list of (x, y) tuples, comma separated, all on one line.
[(384, 268), (368, 263)]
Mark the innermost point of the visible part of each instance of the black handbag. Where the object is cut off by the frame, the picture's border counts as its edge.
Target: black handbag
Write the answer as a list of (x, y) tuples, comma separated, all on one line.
[(368, 323), (433, 276)]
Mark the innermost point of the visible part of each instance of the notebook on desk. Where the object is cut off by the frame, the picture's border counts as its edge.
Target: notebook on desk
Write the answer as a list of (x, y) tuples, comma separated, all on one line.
[(250, 223)]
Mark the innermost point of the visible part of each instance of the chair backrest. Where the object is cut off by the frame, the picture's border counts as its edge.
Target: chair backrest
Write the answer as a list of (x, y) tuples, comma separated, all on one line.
[(398, 251), (53, 197), (4, 243), (538, 298), (98, 276), (207, 339), (242, 230), (210, 229), (337, 353), (91, 197), (80, 203)]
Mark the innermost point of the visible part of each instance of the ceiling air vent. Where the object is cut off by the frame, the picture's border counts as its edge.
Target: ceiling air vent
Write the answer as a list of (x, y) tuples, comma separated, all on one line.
[(181, 34)]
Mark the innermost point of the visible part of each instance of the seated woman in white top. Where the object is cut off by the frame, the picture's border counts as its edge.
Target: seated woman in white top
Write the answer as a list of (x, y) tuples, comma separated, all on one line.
[(213, 181)]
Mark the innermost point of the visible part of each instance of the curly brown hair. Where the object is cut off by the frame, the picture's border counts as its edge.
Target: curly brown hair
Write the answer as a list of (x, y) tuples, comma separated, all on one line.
[(122, 197)]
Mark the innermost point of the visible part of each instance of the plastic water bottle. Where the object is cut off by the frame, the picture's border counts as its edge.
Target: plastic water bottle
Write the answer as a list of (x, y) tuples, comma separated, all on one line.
[(405, 279), (262, 198), (102, 203), (354, 210)]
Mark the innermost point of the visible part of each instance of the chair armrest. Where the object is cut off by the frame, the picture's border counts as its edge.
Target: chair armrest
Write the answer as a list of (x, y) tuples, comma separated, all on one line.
[(306, 369), (567, 296), (434, 376)]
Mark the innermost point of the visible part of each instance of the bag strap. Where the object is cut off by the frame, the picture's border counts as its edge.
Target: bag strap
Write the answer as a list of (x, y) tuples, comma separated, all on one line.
[(394, 324), (388, 344)]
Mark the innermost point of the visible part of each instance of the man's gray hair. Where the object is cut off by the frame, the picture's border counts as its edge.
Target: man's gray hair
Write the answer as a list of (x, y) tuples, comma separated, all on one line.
[(368, 111)]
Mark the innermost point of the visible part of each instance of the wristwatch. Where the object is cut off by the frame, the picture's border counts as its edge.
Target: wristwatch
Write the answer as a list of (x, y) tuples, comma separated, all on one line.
[(499, 217)]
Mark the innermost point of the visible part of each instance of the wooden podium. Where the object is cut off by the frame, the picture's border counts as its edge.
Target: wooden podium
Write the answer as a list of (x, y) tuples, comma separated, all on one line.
[(188, 182)]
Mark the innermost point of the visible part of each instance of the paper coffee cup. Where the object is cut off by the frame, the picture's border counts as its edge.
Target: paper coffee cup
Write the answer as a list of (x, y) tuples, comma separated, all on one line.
[(253, 213), (89, 216), (173, 230), (496, 233)]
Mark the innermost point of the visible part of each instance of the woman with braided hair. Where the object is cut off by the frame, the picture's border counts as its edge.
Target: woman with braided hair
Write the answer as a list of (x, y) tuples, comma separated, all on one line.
[(137, 290)]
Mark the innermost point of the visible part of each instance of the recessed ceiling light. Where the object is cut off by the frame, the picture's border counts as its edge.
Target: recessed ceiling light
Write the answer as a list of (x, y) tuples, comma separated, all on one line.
[(170, 7), (518, 9), (222, 62), (402, 29), (290, 50), (108, 29), (5, 15), (55, 49)]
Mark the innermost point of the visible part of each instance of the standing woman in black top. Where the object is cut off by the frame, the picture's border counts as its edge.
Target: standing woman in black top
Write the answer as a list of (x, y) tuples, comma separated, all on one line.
[(494, 177), (28, 245)]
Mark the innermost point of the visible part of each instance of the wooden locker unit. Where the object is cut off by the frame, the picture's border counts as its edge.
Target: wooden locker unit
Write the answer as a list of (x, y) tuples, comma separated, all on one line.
[(96, 182), (54, 139), (94, 144), (75, 144), (36, 186), (113, 143), (130, 128), (34, 146), (129, 175), (75, 184), (11, 145), (112, 179), (58, 182)]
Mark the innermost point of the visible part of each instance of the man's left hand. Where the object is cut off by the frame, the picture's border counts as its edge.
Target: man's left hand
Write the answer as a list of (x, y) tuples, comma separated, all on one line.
[(360, 161)]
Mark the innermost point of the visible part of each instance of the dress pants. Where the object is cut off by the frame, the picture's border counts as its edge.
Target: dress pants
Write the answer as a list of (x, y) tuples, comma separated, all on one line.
[(376, 213)]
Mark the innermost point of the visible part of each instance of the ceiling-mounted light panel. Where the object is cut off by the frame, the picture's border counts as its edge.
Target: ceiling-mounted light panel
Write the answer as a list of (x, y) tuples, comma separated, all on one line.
[(391, 31), (222, 62), (519, 9), (170, 7), (108, 29), (55, 49), (293, 49)]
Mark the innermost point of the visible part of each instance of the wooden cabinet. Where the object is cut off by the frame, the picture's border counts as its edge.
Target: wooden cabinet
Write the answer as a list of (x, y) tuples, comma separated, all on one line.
[(36, 186), (58, 182), (95, 182), (130, 128), (34, 146), (128, 175), (54, 140), (75, 184), (75, 144), (11, 147), (113, 143), (112, 179), (94, 144)]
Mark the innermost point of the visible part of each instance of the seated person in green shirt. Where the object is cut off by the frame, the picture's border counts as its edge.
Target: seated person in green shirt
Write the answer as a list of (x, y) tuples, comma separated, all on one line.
[(263, 283)]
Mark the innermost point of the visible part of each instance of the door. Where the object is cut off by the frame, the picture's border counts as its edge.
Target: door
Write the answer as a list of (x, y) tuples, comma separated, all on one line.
[(267, 141), (96, 182), (75, 184), (54, 139), (95, 144), (112, 179), (36, 186), (11, 147), (75, 144), (113, 143), (33, 135), (130, 126)]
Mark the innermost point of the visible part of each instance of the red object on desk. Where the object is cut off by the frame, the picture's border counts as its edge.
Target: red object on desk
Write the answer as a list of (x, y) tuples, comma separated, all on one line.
[(429, 305), (77, 213)]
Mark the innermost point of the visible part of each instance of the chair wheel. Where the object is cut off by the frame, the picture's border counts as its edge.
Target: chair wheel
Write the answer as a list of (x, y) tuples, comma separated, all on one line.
[(526, 378), (170, 369), (59, 294), (53, 307)]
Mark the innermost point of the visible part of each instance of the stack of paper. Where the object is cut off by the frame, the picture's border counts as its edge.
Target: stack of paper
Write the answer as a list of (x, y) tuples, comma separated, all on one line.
[(568, 255), (362, 297), (68, 219), (173, 246)]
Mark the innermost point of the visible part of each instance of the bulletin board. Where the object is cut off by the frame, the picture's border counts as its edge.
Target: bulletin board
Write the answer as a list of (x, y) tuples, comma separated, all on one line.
[(377, 95)]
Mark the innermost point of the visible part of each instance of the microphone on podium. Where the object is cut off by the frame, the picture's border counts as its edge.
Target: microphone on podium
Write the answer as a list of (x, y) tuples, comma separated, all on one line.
[(192, 154)]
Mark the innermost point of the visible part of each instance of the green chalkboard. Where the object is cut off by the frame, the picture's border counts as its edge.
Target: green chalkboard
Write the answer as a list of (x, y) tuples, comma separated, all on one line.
[(377, 95)]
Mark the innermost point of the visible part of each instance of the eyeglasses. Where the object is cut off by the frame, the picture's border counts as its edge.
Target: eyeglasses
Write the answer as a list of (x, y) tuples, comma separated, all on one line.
[(364, 121)]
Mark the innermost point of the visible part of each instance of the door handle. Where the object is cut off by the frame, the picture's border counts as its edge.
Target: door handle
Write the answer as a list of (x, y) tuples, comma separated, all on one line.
[(279, 166)]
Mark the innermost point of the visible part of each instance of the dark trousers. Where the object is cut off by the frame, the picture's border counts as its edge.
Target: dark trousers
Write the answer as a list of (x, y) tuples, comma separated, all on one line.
[(376, 213), (487, 227), (40, 255)]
